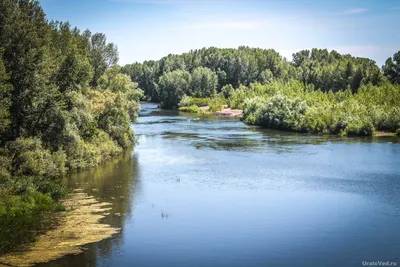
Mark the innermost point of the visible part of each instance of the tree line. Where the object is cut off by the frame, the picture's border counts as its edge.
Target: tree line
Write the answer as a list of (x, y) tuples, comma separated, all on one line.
[(64, 106), (168, 79)]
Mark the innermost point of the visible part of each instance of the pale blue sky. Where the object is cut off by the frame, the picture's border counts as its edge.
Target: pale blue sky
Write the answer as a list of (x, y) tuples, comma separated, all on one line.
[(151, 29)]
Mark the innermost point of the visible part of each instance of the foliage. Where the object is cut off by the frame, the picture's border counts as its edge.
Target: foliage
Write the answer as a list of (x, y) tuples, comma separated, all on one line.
[(391, 69), (291, 107), (203, 83), (279, 112), (359, 127), (190, 109), (22, 215), (238, 97), (220, 67), (189, 101), (227, 90), (64, 105), (217, 103), (173, 86)]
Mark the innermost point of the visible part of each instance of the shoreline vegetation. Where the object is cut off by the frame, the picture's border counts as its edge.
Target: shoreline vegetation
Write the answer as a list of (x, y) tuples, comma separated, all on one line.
[(238, 113), (64, 106), (317, 92)]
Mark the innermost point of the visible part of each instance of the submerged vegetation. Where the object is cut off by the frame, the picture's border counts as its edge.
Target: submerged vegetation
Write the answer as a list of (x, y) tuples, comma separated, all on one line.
[(317, 92), (80, 209), (64, 106)]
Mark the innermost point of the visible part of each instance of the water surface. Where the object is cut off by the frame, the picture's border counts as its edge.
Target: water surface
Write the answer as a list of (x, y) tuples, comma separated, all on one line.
[(207, 191)]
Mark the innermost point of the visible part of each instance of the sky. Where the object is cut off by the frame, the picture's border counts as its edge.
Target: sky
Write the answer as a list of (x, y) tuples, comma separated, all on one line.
[(150, 29)]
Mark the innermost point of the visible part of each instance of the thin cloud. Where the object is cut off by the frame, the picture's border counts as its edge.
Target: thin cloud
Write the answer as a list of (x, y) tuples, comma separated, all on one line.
[(352, 11)]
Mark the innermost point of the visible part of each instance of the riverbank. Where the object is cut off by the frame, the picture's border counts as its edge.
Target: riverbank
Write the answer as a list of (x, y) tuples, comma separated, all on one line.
[(77, 226)]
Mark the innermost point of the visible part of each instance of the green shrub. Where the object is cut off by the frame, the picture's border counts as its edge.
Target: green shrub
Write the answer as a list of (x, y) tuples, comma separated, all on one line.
[(190, 109), (21, 216), (227, 90), (316, 120), (361, 127), (185, 101), (201, 102), (398, 132), (30, 158), (237, 98), (217, 103), (393, 119), (193, 101), (251, 110), (281, 112), (84, 154)]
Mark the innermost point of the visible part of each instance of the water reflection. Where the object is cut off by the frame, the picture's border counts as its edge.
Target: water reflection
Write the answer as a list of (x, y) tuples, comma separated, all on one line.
[(221, 133)]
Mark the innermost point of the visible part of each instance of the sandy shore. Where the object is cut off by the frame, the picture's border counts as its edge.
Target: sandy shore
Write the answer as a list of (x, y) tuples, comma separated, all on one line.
[(230, 112)]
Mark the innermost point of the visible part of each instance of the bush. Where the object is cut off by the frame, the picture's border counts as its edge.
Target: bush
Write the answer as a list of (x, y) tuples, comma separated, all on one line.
[(200, 102), (30, 158), (83, 154), (398, 132), (251, 110), (21, 216), (362, 127), (237, 98), (190, 109), (190, 101), (316, 120), (281, 112), (217, 103), (227, 90)]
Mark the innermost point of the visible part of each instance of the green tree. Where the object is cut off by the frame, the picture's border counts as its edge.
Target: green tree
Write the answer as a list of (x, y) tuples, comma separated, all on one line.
[(173, 86), (203, 82), (103, 55), (391, 69), (64, 106), (5, 101)]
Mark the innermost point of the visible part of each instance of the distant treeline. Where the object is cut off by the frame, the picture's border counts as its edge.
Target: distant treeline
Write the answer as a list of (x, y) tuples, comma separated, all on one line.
[(213, 68), (64, 105), (318, 91)]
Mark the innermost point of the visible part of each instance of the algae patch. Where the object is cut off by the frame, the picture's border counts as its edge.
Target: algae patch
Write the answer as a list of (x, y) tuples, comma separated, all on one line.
[(78, 225)]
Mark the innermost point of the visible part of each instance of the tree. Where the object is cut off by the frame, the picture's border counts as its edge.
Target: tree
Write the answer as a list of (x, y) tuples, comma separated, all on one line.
[(227, 90), (173, 85), (5, 101), (26, 57), (203, 83), (391, 69), (103, 55)]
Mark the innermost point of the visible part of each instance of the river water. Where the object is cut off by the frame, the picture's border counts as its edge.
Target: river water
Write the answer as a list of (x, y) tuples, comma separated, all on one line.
[(207, 191)]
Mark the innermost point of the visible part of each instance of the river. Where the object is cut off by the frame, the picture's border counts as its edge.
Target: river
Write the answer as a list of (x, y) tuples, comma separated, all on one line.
[(207, 191)]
